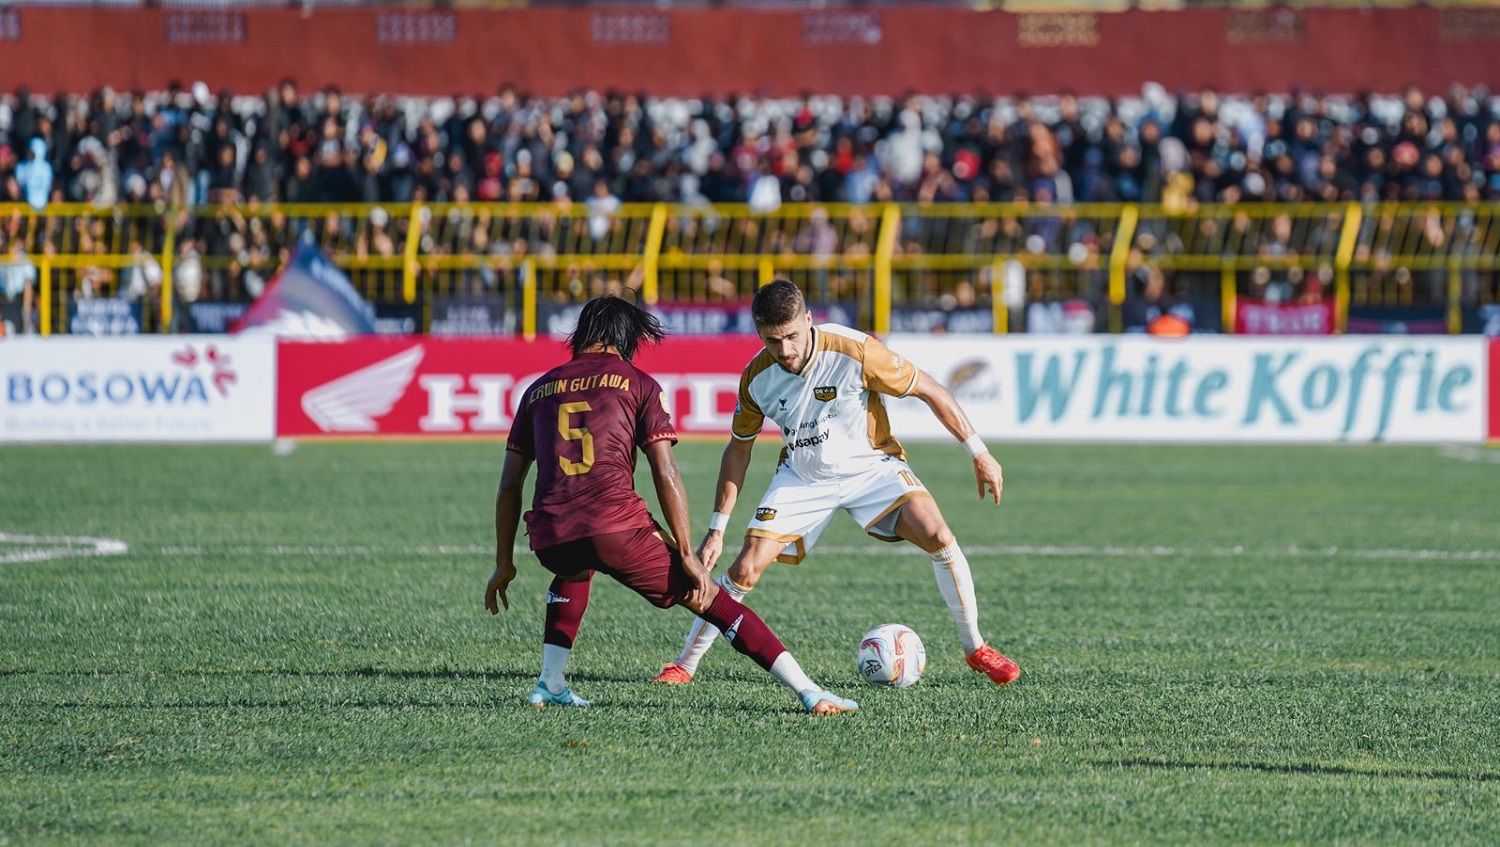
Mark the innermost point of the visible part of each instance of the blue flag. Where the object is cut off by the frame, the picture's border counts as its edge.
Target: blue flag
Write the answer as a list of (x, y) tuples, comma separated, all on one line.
[(311, 299)]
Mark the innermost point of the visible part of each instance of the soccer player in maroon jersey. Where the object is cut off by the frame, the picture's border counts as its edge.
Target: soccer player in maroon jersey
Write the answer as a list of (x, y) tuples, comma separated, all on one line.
[(581, 423)]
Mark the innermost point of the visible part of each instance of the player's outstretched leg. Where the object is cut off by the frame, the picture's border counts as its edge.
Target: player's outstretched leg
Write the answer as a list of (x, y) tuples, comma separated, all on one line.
[(755, 556), (922, 524), (566, 602), (700, 636), (748, 634)]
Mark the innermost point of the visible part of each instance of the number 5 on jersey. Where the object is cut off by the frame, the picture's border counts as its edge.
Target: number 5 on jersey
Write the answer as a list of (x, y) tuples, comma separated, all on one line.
[(569, 432)]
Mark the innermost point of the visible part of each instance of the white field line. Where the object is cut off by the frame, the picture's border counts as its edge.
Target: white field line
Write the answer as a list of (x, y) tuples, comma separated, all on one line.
[(17, 549), (891, 551), (1465, 453)]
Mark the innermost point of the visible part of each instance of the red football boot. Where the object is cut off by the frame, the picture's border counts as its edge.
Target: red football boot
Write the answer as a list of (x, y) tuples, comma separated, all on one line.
[(990, 662), (674, 674)]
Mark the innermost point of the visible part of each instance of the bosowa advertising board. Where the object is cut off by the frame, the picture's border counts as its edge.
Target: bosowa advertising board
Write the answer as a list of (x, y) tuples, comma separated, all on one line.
[(137, 389), (1207, 389)]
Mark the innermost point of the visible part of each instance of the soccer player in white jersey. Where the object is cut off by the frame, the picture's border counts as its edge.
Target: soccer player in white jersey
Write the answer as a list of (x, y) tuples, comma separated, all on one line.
[(823, 386)]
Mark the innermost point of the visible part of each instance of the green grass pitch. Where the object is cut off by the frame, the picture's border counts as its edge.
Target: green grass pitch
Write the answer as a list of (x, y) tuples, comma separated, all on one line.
[(293, 650)]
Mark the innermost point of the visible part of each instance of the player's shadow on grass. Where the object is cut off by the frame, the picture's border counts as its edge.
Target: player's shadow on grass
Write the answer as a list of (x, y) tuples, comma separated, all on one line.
[(633, 695), (1303, 768)]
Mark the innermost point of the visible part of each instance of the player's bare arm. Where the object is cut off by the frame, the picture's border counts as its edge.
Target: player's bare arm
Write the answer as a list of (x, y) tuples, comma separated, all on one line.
[(987, 471), (507, 520), (672, 496), (732, 468)]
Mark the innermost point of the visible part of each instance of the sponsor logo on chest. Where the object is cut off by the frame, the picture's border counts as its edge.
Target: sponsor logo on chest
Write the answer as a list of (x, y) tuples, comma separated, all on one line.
[(764, 514), (824, 393)]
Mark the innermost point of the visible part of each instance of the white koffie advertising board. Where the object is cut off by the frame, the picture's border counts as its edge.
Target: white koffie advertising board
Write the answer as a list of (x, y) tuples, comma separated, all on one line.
[(184, 388), (1108, 388)]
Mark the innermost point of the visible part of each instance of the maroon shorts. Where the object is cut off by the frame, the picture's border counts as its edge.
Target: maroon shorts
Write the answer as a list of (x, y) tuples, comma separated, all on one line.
[(637, 558)]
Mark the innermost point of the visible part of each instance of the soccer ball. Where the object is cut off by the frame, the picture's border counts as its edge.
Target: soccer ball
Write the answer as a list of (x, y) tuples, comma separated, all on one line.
[(892, 656)]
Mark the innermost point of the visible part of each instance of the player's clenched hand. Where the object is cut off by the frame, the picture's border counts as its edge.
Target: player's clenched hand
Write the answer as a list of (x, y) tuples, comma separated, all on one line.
[(987, 473), (696, 572), (499, 581), (711, 548)]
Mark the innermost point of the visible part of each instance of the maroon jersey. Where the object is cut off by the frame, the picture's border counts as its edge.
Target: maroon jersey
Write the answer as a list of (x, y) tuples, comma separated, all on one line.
[(582, 422)]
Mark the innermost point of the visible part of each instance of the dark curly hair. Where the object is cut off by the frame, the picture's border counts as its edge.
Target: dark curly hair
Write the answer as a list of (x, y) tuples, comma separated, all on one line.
[(616, 323)]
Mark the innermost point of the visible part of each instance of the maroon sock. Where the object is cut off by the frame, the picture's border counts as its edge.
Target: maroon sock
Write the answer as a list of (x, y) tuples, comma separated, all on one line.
[(744, 629), (566, 602)]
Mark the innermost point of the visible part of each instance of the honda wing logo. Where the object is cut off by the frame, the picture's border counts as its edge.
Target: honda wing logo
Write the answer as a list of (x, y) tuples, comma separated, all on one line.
[(352, 402)]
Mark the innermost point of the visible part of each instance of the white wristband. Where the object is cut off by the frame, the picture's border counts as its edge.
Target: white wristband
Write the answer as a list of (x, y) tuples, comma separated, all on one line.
[(718, 521), (976, 446)]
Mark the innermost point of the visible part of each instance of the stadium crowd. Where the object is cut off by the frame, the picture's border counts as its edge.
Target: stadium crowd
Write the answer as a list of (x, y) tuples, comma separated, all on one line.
[(187, 145)]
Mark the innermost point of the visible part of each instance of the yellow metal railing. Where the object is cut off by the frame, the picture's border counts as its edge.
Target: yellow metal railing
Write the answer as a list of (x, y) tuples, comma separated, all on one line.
[(876, 259)]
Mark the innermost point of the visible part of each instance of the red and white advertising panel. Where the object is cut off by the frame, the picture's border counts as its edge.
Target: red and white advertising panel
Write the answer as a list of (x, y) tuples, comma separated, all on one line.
[(471, 386), (1254, 318), (1494, 428)]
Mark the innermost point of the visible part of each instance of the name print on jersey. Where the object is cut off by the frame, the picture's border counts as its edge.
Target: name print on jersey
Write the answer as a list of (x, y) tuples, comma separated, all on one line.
[(582, 383)]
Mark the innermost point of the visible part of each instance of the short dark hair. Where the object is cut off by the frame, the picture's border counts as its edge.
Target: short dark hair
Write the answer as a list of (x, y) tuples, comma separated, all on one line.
[(616, 323), (777, 303)]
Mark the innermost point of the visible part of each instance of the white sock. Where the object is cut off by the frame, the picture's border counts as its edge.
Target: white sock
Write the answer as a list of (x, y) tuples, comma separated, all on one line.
[(701, 634), (789, 673), (554, 667), (951, 569)]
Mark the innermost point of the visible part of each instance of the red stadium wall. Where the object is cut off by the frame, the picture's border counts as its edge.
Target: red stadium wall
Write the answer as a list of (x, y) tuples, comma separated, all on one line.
[(846, 51)]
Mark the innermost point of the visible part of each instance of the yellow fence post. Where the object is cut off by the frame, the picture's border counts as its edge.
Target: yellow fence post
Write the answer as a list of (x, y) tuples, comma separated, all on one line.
[(44, 293), (413, 243), (1228, 296), (999, 309), (885, 251), (1348, 239), (1455, 295), (767, 271), (168, 261), (650, 289), (528, 300), (1118, 255)]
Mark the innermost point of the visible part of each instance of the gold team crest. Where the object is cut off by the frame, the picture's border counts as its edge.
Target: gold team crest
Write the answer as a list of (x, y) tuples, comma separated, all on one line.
[(824, 393), (765, 514)]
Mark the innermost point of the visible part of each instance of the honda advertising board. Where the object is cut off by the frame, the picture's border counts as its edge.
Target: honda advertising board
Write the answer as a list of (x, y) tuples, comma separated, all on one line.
[(1206, 389), (137, 389), (1494, 428), (468, 386)]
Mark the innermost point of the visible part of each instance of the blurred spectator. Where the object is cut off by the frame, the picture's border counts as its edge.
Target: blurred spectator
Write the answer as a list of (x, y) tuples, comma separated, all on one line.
[(188, 146), (18, 276), (35, 175), (1147, 301), (601, 207)]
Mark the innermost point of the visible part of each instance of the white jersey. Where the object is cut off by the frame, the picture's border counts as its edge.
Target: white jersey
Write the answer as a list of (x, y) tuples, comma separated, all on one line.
[(831, 416)]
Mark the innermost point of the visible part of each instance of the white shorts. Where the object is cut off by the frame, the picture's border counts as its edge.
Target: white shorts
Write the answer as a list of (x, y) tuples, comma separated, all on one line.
[(795, 511)]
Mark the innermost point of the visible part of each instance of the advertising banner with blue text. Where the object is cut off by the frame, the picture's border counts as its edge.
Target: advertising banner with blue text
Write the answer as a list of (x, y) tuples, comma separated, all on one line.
[(189, 388), (1099, 388)]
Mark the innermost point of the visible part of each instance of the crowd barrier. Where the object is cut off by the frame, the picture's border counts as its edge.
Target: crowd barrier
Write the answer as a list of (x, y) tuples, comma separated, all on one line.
[(992, 268), (1095, 388)]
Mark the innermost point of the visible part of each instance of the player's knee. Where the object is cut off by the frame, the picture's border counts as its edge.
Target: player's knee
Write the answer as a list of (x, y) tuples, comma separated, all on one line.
[(698, 607), (745, 574), (939, 538)]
